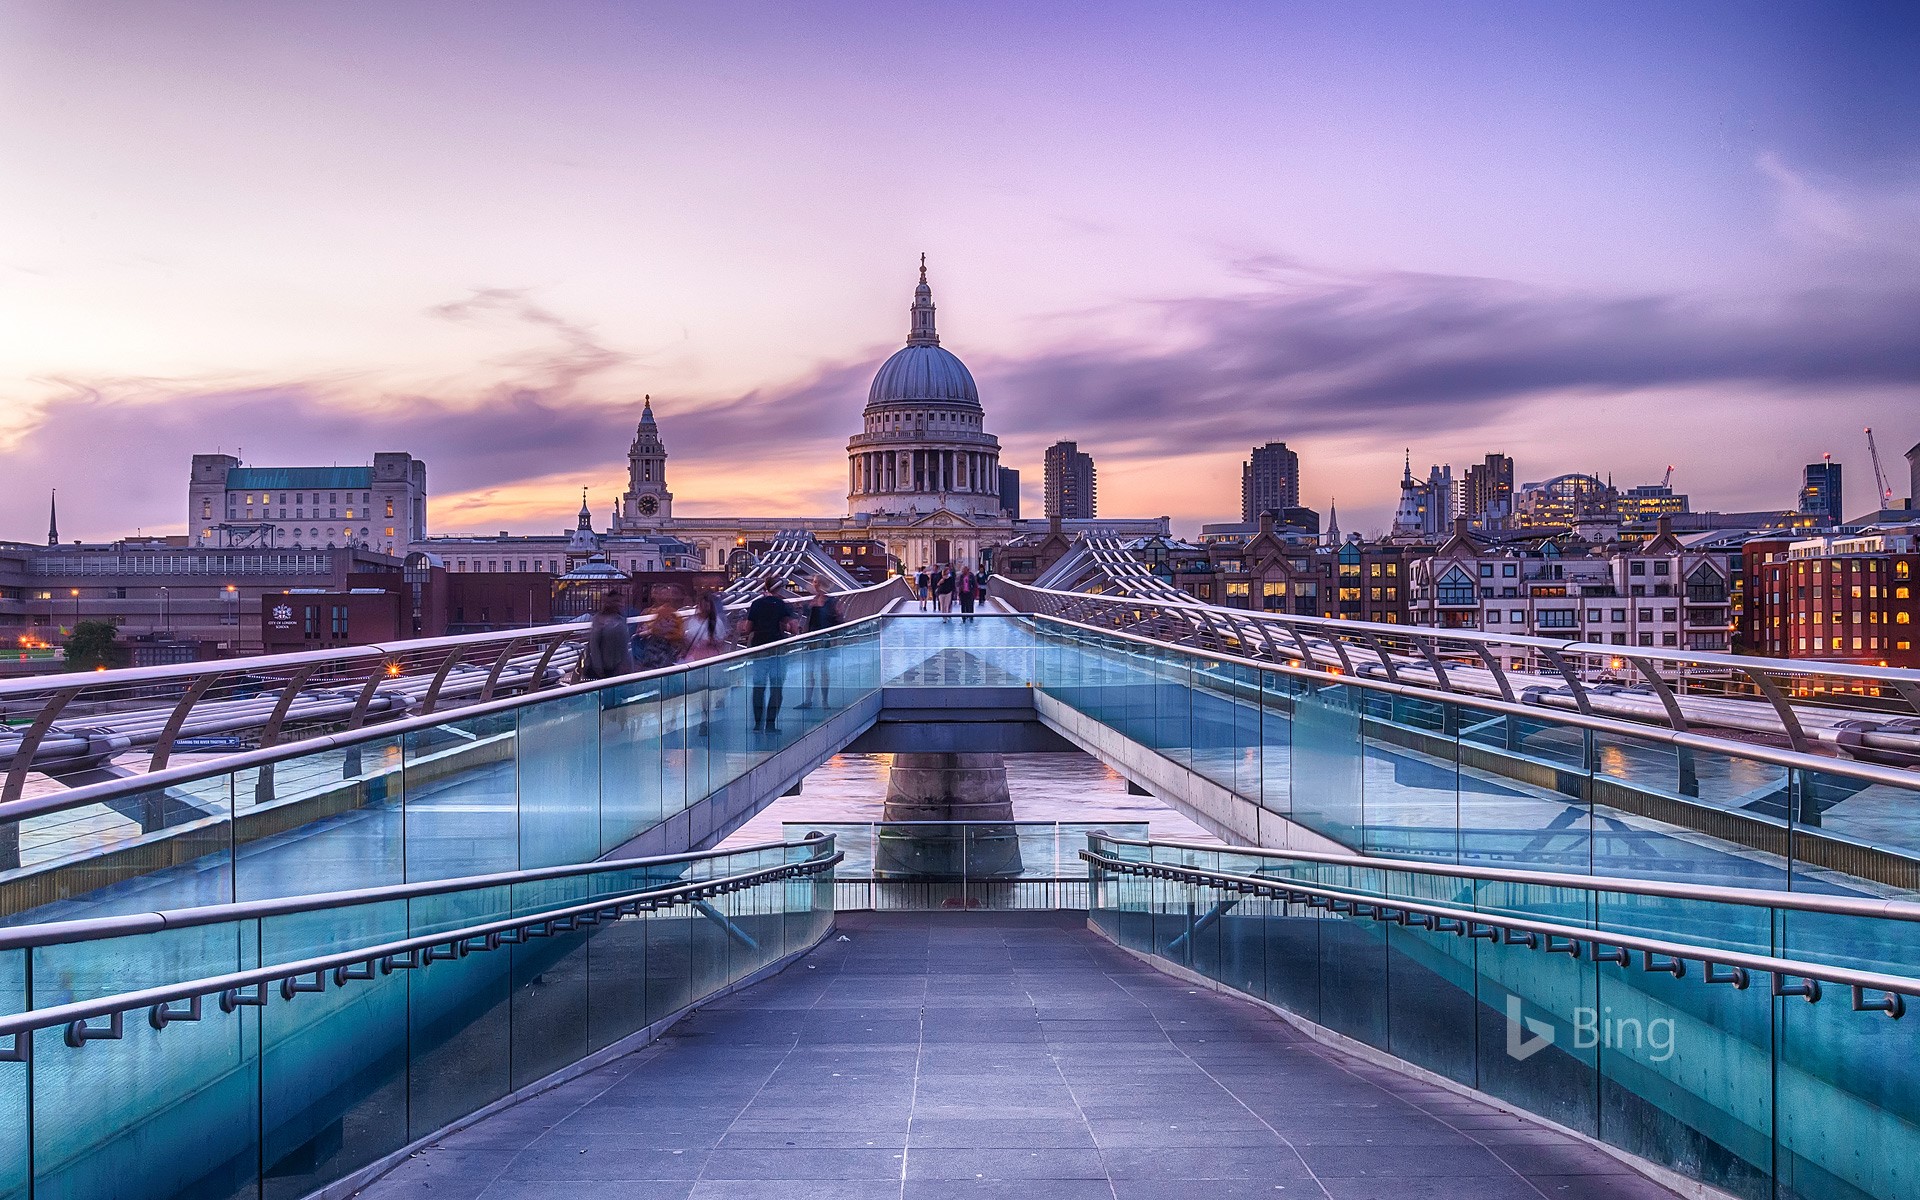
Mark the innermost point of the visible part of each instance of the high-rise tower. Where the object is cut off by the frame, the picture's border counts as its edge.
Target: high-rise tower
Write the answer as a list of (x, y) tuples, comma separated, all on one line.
[(1070, 482), (1269, 481)]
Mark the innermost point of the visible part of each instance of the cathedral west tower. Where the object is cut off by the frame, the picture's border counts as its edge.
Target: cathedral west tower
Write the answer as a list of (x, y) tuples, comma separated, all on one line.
[(646, 503)]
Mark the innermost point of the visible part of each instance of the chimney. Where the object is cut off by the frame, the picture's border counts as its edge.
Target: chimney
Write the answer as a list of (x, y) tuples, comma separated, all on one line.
[(1662, 526), (1266, 523)]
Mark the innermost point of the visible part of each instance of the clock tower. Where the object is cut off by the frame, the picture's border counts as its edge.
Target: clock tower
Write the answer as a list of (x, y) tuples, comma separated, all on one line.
[(647, 502)]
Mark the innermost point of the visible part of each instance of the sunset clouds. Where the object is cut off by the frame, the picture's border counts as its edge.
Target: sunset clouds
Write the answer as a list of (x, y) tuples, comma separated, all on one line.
[(1605, 239)]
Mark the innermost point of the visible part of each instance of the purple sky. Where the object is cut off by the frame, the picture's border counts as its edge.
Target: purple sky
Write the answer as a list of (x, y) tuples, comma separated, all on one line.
[(1595, 237)]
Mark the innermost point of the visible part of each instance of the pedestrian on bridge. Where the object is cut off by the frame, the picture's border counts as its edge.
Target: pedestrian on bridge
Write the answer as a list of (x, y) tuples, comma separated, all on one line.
[(822, 612), (609, 649), (769, 619), (967, 591), (920, 588), (662, 638), (943, 593), (706, 636)]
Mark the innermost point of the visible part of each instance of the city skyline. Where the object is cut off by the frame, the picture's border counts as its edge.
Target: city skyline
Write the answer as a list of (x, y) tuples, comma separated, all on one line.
[(263, 235)]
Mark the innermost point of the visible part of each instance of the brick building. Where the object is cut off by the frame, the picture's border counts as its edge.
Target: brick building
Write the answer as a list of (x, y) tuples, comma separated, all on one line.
[(1845, 598)]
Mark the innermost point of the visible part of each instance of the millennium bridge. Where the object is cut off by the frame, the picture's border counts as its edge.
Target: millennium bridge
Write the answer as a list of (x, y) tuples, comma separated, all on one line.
[(1485, 917)]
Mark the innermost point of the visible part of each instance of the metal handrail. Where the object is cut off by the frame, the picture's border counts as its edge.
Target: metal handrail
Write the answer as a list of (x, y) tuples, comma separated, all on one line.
[(1770, 711), (1851, 906), (249, 988), (341, 685), (95, 793), (90, 929), (1657, 955), (1791, 759)]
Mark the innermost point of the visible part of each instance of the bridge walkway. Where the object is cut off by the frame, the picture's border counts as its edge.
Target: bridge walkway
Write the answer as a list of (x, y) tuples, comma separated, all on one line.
[(997, 1054)]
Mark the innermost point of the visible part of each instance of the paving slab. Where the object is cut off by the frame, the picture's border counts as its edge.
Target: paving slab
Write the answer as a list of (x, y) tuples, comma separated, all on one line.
[(924, 1055)]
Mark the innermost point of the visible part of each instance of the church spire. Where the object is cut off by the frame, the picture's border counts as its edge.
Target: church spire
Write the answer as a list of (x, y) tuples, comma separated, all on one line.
[(53, 517), (586, 517), (922, 333)]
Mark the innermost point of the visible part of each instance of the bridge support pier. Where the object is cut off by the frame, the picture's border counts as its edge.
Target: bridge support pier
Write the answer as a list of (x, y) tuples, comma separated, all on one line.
[(949, 787)]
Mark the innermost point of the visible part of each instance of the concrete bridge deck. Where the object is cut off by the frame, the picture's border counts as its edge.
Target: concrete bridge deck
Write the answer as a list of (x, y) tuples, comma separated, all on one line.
[(997, 1054)]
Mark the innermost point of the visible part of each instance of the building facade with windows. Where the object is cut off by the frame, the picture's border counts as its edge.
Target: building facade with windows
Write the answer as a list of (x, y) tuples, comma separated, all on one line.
[(1070, 482), (380, 507), (1660, 593), (1269, 481), (1845, 598)]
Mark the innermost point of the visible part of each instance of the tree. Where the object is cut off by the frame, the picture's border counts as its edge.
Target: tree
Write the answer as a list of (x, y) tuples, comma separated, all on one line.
[(94, 644)]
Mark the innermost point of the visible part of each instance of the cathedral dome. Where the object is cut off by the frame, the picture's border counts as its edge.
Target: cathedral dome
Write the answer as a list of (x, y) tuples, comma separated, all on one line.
[(923, 372)]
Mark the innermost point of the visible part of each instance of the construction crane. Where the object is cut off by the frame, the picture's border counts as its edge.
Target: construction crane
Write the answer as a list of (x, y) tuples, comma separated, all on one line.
[(1879, 476), (1668, 481)]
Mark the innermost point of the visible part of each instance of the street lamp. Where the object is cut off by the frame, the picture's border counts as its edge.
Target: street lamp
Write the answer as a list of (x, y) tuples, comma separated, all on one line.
[(75, 593), (166, 614)]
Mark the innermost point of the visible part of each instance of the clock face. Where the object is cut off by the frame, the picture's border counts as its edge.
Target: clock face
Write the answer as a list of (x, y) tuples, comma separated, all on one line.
[(649, 505)]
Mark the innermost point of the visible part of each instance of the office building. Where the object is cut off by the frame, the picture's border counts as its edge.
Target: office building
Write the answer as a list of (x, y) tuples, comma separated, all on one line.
[(1820, 494), (1486, 492), (1269, 481), (1839, 598), (381, 507), (1070, 482), (1010, 493)]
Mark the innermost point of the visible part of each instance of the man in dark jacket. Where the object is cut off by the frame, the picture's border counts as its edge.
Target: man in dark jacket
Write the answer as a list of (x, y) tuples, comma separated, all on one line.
[(768, 620), (609, 649)]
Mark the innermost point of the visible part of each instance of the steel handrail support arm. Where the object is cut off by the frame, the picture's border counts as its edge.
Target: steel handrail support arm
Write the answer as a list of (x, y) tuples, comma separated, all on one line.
[(364, 700), (1492, 662), (263, 781), (1381, 653), (270, 732), (432, 697), (458, 941), (1340, 650), (30, 742), (1789, 720), (1688, 781), (499, 665), (170, 732), (546, 659), (1300, 643), (1432, 656), (1542, 930), (1579, 690)]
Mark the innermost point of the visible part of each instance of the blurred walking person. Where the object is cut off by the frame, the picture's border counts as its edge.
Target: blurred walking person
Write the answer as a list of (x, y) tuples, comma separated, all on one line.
[(609, 650), (768, 620), (822, 612), (706, 636), (920, 588), (967, 591), (661, 640)]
